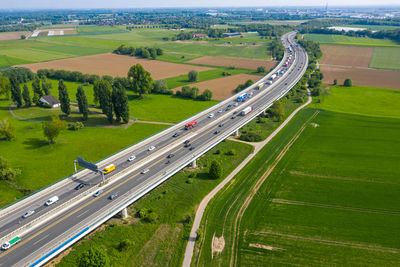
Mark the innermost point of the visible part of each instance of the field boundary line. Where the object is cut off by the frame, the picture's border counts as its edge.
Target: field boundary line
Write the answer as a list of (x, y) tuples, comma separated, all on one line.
[(204, 202), (344, 178), (332, 242), (321, 205), (256, 187)]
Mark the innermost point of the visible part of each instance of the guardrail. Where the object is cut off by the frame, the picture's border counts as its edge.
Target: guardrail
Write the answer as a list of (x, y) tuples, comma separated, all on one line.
[(151, 185)]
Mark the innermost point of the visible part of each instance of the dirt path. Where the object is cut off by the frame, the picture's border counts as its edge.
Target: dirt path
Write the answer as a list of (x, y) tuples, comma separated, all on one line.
[(203, 204)]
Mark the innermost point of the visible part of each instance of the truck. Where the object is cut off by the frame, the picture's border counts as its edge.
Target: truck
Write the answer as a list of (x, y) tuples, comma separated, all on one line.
[(109, 168), (51, 200), (260, 85), (9, 244), (241, 97), (273, 76), (246, 111), (190, 125)]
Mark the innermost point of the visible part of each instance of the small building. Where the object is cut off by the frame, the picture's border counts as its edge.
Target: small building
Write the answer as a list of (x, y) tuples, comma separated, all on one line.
[(199, 35), (49, 101), (232, 34)]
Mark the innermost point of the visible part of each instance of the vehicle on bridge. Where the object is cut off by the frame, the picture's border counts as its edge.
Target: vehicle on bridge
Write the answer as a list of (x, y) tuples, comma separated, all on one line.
[(109, 168), (51, 200), (241, 97), (246, 111), (10, 243), (190, 125), (260, 85)]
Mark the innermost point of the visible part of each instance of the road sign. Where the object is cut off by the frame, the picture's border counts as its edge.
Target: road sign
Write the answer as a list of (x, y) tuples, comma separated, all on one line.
[(87, 165)]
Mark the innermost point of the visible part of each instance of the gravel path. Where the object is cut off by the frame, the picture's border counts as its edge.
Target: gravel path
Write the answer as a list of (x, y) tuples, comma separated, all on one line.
[(203, 204)]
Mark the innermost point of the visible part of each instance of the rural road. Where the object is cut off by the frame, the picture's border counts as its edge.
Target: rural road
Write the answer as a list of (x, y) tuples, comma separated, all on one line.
[(203, 204)]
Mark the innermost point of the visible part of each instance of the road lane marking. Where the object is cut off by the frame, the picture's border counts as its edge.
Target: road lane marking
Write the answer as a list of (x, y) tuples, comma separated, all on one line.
[(41, 239)]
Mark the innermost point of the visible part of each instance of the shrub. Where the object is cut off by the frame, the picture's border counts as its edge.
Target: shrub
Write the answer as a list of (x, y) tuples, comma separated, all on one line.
[(261, 69), (250, 137), (190, 181), (193, 76), (231, 152), (348, 82), (124, 244), (215, 171), (75, 126)]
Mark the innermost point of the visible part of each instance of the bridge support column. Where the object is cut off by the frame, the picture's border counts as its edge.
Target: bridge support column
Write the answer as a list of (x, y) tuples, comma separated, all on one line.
[(124, 213), (265, 113), (193, 164), (236, 133)]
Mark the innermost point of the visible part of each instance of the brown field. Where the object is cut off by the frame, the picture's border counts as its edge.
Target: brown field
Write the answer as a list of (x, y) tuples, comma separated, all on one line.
[(346, 55), (223, 87), (12, 35), (115, 65), (242, 63), (362, 76)]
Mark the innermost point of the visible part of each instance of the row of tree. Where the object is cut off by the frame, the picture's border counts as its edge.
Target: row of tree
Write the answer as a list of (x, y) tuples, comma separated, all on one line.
[(277, 49), (72, 76), (144, 52), (193, 93)]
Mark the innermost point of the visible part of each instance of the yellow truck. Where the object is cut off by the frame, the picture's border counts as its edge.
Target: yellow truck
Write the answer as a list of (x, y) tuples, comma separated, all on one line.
[(109, 168)]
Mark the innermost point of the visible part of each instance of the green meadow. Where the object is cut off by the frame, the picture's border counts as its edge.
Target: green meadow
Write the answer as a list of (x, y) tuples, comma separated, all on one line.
[(351, 41), (386, 58)]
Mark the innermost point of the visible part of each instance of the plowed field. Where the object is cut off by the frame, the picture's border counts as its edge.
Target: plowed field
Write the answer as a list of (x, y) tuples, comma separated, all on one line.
[(347, 55), (242, 63)]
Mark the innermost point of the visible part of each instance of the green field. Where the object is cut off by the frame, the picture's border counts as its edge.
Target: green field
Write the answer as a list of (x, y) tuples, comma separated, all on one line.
[(347, 40), (373, 27), (333, 199), (162, 243), (386, 58)]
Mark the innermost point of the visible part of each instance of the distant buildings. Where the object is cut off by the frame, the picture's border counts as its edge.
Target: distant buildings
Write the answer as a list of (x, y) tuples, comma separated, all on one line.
[(232, 34)]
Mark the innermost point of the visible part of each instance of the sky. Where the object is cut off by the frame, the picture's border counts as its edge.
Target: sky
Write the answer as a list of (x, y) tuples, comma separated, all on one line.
[(55, 4)]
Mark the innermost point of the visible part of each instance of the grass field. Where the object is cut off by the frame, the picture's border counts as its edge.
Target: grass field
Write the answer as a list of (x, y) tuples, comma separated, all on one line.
[(373, 27), (162, 243), (333, 199), (351, 41), (386, 58)]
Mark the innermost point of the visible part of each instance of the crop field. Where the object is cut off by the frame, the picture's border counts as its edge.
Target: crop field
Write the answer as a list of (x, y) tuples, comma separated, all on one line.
[(243, 63), (331, 196), (386, 58), (362, 76), (349, 41), (224, 87), (116, 65), (373, 27), (11, 35), (347, 55)]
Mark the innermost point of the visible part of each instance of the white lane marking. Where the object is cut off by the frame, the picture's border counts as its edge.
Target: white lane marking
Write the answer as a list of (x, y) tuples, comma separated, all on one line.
[(41, 239), (82, 214)]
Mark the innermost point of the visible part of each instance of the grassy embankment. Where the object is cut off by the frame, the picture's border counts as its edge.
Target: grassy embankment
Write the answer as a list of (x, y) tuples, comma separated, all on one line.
[(333, 198), (162, 242)]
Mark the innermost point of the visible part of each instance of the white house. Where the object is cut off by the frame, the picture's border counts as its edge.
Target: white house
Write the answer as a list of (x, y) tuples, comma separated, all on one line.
[(50, 101)]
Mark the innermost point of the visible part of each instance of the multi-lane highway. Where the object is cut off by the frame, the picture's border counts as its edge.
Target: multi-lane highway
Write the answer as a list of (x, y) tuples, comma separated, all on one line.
[(51, 229)]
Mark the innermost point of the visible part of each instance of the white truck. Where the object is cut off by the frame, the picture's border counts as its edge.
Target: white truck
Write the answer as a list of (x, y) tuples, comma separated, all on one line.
[(10, 243), (52, 200), (273, 76), (246, 111)]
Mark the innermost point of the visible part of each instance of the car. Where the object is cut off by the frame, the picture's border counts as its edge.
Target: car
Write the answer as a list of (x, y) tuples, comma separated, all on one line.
[(233, 117), (211, 115), (151, 148), (145, 171), (132, 158), (228, 108), (28, 213), (113, 196), (244, 100), (285, 83), (235, 112), (220, 125), (188, 144), (170, 156), (236, 104), (175, 135), (216, 132), (220, 111), (79, 186), (191, 148), (98, 192)]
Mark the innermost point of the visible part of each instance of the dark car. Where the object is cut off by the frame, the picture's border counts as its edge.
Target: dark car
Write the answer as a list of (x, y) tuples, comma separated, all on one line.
[(170, 156), (216, 132), (175, 135), (228, 108), (233, 117), (113, 196), (79, 186), (192, 148), (221, 125), (188, 144)]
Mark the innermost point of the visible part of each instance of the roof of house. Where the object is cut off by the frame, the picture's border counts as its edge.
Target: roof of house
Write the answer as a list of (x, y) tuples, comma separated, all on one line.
[(51, 100)]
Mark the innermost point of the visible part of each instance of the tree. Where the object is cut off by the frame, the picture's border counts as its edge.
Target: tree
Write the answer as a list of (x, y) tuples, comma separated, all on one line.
[(206, 95), (193, 76), (52, 129), (160, 86), (348, 82), (37, 92), (261, 69), (7, 173), (215, 171), (5, 87), (26, 96), (82, 103), (94, 257), (125, 244), (335, 82), (145, 53), (278, 110), (141, 81), (46, 86), (120, 103), (15, 91), (7, 130), (64, 98), (103, 91)]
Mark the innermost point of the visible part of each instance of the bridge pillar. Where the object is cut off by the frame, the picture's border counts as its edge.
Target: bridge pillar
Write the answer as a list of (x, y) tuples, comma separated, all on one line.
[(193, 164), (236, 133), (124, 213)]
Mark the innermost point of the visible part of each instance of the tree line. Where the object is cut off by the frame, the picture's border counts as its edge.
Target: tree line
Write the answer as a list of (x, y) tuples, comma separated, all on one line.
[(143, 52), (71, 76)]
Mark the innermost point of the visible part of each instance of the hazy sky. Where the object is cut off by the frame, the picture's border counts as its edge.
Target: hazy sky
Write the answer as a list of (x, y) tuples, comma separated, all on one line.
[(179, 3)]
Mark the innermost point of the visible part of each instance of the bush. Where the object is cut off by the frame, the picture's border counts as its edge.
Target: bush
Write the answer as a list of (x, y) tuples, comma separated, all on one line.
[(7, 173), (190, 181), (215, 171), (193, 76), (160, 87), (348, 82), (250, 137), (231, 152), (125, 244), (217, 152), (75, 126), (261, 69), (94, 257)]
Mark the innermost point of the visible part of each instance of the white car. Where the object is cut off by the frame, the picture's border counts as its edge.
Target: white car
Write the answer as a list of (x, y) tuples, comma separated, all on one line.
[(236, 104), (151, 148), (220, 111), (145, 171), (28, 213), (132, 158), (211, 115)]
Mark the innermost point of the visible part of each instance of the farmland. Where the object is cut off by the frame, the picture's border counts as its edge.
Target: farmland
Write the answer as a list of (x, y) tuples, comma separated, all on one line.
[(332, 198), (386, 58), (235, 62), (349, 41), (347, 55)]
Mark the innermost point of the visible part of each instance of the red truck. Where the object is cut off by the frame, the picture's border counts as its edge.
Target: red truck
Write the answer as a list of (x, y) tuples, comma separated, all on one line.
[(190, 125)]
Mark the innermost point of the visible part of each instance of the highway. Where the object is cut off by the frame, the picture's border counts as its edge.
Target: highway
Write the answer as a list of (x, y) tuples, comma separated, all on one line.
[(51, 229)]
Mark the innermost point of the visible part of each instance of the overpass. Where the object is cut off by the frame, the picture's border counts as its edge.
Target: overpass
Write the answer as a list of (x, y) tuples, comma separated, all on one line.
[(51, 229)]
